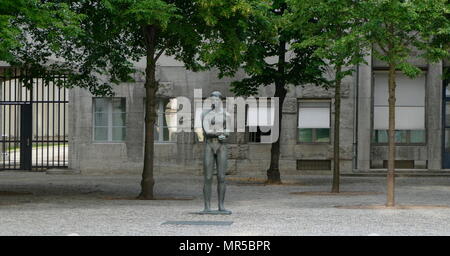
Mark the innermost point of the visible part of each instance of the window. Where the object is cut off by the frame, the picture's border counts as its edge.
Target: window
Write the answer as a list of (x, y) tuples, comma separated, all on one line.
[(400, 164), (166, 121), (109, 119), (314, 121), (257, 117), (409, 109)]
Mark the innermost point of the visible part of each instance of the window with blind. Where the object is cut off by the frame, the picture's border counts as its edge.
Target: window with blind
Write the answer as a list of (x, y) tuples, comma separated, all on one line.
[(260, 117), (314, 121), (409, 109)]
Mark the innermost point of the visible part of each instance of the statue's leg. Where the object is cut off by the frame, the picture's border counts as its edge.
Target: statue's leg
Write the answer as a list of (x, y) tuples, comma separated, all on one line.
[(208, 166), (222, 161)]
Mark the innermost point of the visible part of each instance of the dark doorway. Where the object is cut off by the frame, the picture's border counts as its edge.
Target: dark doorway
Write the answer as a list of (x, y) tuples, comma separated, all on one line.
[(446, 125)]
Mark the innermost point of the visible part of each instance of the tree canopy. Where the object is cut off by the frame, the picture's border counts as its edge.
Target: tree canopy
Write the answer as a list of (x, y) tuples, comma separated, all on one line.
[(333, 28), (398, 29), (33, 32)]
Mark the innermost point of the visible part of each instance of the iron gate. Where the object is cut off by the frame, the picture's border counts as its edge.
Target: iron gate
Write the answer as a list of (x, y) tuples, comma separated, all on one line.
[(33, 124)]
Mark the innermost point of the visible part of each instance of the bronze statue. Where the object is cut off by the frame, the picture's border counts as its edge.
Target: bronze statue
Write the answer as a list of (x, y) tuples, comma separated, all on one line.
[(215, 151)]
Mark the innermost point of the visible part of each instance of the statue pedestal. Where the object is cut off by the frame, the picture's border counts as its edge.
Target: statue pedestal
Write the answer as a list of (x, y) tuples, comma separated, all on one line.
[(213, 212)]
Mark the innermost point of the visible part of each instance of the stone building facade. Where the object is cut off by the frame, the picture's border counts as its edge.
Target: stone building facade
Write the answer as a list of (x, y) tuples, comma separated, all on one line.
[(106, 135)]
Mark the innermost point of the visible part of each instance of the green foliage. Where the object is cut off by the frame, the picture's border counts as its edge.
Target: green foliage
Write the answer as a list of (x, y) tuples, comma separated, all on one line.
[(254, 46), (98, 38), (332, 27), (187, 30), (150, 12), (96, 43), (399, 29), (32, 30)]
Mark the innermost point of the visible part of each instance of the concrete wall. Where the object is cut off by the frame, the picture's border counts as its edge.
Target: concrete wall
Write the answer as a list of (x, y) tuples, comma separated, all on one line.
[(186, 153), (87, 155)]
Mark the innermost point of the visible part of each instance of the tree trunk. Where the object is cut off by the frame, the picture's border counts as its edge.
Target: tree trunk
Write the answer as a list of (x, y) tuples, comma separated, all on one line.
[(273, 173), (391, 148), (151, 86), (336, 136)]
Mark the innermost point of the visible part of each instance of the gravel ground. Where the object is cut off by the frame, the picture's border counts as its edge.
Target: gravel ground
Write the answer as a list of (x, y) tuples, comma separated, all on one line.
[(82, 205)]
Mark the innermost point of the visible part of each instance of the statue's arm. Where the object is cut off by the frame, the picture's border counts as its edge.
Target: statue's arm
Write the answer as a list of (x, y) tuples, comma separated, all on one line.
[(207, 130), (227, 120), (226, 132)]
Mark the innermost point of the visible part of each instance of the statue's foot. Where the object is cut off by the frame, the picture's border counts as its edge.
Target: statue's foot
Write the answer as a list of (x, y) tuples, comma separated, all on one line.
[(214, 212), (206, 210), (224, 211)]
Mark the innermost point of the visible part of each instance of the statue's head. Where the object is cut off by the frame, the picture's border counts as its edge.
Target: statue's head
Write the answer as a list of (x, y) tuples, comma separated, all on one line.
[(216, 99)]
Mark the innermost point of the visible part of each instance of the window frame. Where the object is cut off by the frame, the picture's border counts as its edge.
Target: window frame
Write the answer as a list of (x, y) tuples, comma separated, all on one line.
[(110, 125), (408, 138), (408, 135), (314, 130)]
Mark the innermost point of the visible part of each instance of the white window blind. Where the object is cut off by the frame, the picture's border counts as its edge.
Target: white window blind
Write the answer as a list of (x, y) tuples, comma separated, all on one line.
[(410, 102), (314, 115), (262, 116)]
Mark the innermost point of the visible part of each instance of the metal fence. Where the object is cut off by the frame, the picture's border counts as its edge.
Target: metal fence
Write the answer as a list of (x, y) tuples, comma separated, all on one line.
[(33, 123)]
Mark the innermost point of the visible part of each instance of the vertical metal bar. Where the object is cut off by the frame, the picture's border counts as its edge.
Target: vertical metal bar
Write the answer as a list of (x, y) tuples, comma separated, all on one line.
[(64, 122), (15, 135), (17, 85), (36, 99), (42, 122), (41, 116), (59, 121), (9, 124), (26, 94), (16, 125), (48, 120), (5, 151), (53, 125)]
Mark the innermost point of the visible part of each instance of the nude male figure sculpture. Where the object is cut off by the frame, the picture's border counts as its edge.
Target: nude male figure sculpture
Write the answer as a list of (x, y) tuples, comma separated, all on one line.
[(215, 152)]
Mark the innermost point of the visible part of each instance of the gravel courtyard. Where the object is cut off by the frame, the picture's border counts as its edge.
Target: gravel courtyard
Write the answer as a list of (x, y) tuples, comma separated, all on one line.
[(41, 204)]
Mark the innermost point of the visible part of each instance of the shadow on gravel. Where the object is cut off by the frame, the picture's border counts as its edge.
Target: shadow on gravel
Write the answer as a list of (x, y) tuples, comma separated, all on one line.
[(14, 193), (154, 199), (250, 181), (397, 207), (343, 193)]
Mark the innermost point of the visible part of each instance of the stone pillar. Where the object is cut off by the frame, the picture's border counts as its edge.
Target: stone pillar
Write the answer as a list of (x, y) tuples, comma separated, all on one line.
[(434, 115), (72, 116), (364, 107)]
